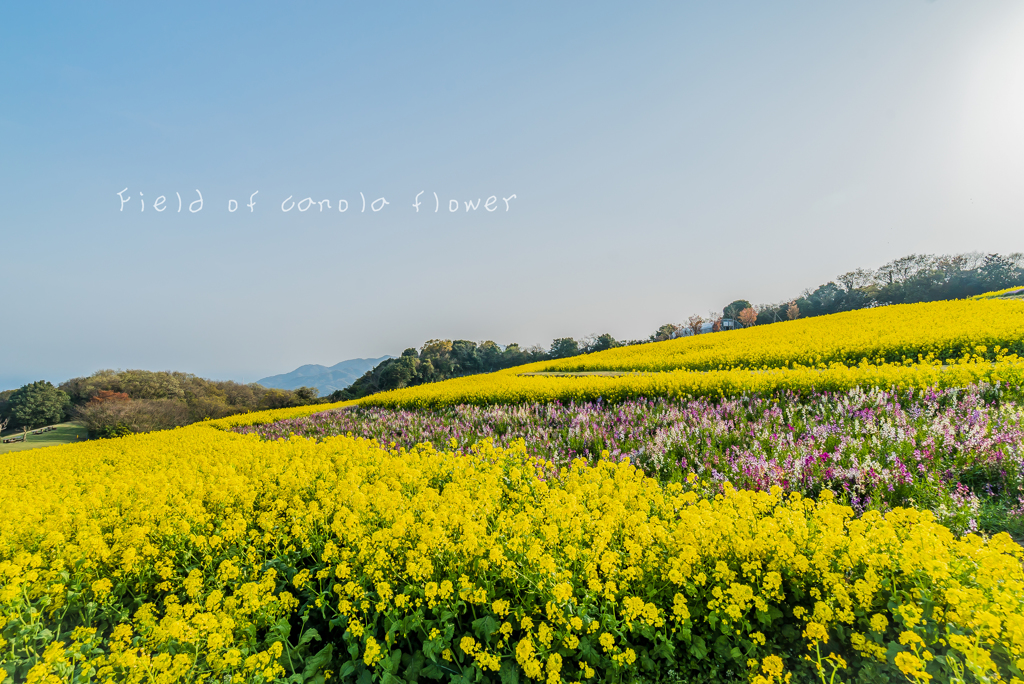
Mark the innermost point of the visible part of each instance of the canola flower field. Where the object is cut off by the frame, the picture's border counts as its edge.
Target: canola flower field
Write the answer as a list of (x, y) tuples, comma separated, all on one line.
[(956, 452), (202, 554), (904, 333)]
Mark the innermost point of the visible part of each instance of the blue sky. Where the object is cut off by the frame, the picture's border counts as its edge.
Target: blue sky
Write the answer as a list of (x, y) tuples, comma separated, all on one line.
[(666, 159)]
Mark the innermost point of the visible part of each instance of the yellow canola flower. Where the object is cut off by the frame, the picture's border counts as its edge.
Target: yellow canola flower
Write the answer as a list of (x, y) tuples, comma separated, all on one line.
[(907, 346), (505, 387), (939, 331), (597, 552)]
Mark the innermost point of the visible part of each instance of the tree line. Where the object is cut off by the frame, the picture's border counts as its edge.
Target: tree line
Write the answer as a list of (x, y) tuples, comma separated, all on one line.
[(909, 279), (112, 403), (440, 360)]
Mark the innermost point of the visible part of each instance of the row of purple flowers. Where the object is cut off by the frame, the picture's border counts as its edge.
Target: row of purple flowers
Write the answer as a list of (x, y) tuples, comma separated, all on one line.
[(957, 452)]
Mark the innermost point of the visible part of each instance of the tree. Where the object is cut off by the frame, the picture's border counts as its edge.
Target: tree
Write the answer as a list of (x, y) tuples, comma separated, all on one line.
[(435, 349), (602, 342), (747, 317), (665, 332), (399, 373), (306, 395), (275, 398), (564, 347), (465, 357), (793, 311), (715, 318), (118, 415), (109, 395), (856, 279), (38, 404), (733, 310), (5, 409), (695, 323), (489, 356)]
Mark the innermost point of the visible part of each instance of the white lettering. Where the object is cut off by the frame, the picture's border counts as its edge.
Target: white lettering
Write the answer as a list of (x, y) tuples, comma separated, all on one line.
[(179, 201), (438, 205), (364, 201), (453, 205), (474, 206), (252, 204), (143, 202), (308, 201), (340, 202), (195, 202), (232, 206), (123, 200), (382, 203), (289, 208), (416, 202), (490, 200), (321, 203), (159, 204), (506, 201)]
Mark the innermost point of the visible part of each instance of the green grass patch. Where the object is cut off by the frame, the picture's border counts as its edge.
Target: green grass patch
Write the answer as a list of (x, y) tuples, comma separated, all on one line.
[(65, 433)]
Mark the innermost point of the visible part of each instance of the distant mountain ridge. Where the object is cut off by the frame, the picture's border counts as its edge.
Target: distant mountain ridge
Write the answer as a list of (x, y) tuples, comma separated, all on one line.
[(327, 379)]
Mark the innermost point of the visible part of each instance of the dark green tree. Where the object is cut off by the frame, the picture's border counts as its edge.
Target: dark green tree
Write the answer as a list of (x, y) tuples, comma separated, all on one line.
[(564, 347), (602, 342), (5, 397), (398, 373), (733, 310), (465, 357), (489, 355), (306, 395), (38, 404)]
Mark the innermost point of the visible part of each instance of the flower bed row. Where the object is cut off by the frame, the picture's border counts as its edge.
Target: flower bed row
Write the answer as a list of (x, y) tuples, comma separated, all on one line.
[(956, 452)]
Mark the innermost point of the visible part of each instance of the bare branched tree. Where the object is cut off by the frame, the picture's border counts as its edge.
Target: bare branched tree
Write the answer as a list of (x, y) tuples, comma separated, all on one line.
[(715, 318), (747, 317), (793, 311)]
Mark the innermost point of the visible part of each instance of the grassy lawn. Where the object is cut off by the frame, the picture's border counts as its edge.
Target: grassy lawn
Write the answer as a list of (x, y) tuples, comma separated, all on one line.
[(64, 434)]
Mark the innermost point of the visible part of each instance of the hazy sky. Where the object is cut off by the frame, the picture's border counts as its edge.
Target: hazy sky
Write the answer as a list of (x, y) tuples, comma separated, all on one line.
[(666, 158)]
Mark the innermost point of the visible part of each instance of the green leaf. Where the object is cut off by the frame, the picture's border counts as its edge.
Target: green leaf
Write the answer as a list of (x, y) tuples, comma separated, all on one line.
[(468, 676), (416, 663), (432, 648), (509, 672), (316, 662), (280, 630), (698, 648), (484, 627), (587, 650), (389, 678), (308, 636), (723, 646), (392, 662), (432, 671)]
